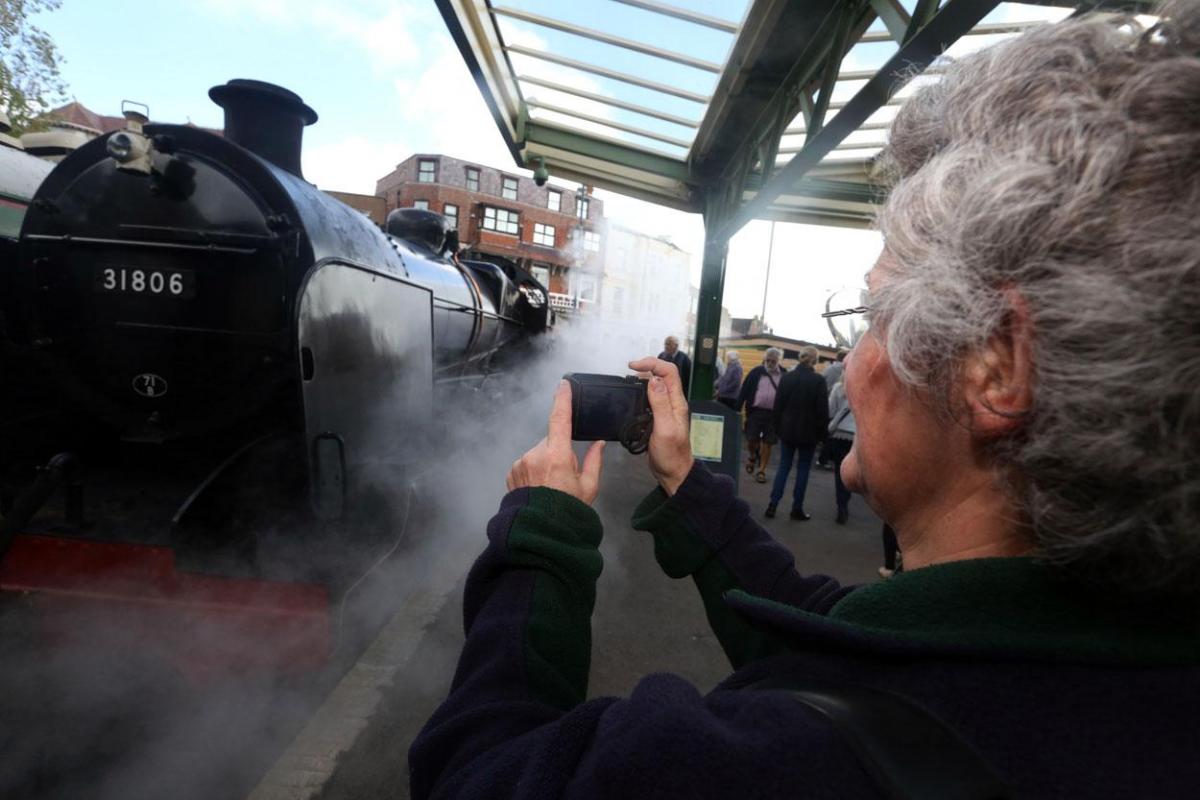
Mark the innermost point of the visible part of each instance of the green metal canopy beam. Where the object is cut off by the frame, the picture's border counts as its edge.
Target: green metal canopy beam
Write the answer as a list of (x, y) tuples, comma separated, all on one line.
[(986, 29), (955, 19), (894, 17), (593, 147)]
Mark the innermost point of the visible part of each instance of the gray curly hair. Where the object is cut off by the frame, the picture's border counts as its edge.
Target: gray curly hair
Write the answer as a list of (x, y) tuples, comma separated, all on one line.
[(1065, 164)]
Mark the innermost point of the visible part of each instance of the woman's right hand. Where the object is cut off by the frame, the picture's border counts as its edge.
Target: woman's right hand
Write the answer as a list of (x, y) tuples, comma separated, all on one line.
[(670, 442)]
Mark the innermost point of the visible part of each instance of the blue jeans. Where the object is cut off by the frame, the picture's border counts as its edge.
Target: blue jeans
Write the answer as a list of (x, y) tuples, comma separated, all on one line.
[(804, 456), (838, 448)]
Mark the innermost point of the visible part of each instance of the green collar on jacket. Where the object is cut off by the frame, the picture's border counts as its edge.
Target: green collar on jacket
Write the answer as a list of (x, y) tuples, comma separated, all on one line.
[(1012, 607)]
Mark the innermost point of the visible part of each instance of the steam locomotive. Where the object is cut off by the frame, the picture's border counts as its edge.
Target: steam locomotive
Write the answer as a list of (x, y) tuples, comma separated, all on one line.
[(231, 362)]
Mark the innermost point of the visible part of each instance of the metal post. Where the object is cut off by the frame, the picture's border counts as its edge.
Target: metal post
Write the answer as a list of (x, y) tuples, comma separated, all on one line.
[(767, 280), (708, 315)]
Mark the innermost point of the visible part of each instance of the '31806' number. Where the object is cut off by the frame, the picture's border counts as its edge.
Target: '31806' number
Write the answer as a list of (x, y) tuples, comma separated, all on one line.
[(145, 281)]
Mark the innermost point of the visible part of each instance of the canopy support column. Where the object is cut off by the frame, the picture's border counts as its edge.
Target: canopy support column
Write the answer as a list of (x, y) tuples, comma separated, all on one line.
[(708, 313)]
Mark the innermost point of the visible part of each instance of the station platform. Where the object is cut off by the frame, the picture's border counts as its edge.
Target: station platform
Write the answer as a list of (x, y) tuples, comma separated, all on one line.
[(356, 745)]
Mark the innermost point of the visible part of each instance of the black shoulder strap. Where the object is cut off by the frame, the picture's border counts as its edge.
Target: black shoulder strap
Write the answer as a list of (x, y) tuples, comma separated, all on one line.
[(908, 750)]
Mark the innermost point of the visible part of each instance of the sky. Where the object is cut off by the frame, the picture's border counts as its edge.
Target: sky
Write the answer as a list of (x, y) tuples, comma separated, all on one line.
[(387, 81)]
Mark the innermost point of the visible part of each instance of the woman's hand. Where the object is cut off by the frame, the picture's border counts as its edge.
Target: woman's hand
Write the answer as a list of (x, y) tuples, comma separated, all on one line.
[(552, 462), (670, 443)]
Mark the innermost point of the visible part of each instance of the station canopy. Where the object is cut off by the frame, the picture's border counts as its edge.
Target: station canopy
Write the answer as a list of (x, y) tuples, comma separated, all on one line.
[(737, 109)]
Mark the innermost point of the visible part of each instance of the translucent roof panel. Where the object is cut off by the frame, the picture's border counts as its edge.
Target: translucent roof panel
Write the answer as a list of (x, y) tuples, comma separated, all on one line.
[(551, 44), (666, 99)]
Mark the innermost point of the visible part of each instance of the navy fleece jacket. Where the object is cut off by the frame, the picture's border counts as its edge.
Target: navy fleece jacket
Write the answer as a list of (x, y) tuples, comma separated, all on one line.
[(1065, 693)]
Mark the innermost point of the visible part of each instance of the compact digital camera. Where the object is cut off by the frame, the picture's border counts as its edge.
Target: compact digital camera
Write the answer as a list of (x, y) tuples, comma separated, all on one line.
[(612, 408)]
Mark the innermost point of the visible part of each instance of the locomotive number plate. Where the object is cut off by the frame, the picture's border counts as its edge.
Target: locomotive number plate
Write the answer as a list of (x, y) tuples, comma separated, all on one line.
[(177, 283)]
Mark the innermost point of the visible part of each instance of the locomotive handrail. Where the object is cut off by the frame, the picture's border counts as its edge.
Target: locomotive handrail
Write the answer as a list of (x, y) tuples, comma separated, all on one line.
[(272, 240), (247, 336), (68, 238)]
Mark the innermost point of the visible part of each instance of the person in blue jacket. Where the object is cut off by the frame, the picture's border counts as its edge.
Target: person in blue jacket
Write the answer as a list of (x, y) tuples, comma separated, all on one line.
[(1027, 422)]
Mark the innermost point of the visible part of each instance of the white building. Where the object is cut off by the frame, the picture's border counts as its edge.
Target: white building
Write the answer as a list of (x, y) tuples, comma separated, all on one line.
[(644, 290)]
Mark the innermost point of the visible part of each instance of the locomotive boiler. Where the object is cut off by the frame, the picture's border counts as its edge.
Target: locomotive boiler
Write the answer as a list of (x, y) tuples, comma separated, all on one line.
[(235, 359)]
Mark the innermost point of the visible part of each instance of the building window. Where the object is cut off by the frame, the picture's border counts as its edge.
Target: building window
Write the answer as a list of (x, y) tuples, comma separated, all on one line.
[(591, 242), (543, 234), (426, 171), (542, 274), (451, 212), (585, 288), (472, 179), (581, 206), (554, 200), (508, 188), (421, 204), (502, 220)]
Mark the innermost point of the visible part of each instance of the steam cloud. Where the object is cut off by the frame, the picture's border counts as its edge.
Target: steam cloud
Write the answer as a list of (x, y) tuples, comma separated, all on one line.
[(101, 720)]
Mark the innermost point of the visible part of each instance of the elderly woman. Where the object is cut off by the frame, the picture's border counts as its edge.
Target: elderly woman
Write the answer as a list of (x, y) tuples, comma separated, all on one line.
[(1028, 420), (730, 382)]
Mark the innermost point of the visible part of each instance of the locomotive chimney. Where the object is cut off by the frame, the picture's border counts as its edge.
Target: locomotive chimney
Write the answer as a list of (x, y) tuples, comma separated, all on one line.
[(266, 119)]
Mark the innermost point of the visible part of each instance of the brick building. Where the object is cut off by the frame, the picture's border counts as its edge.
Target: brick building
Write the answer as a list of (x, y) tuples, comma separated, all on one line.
[(554, 232), (371, 206)]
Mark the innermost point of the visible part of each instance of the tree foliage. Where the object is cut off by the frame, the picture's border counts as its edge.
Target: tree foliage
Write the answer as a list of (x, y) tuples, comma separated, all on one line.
[(30, 83)]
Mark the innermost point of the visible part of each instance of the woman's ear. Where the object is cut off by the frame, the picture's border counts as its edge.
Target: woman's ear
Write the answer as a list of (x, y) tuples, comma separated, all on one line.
[(998, 377)]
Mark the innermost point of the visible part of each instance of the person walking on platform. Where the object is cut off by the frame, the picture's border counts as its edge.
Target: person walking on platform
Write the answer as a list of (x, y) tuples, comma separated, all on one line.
[(832, 374), (758, 398), (801, 416), (841, 439), (672, 353), (730, 381)]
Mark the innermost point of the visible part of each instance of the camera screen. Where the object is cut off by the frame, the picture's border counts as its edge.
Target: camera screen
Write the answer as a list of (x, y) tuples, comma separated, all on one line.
[(602, 411)]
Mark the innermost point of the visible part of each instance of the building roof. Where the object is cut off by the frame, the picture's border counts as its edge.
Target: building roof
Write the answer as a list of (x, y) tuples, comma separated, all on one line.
[(77, 115), (738, 109), (771, 340)]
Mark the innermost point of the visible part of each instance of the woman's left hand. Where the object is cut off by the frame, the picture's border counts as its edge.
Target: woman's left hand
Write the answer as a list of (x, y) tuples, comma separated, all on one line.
[(552, 462)]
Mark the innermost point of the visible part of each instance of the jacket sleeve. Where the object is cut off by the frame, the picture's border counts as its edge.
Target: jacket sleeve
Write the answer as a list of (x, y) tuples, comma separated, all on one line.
[(821, 409), (782, 398), (527, 612), (835, 402), (730, 381), (706, 532), (515, 724), (746, 396)]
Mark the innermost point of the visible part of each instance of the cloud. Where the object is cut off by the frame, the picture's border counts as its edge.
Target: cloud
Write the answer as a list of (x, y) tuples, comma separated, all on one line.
[(445, 106), (386, 31), (353, 164), (435, 110), (387, 38)]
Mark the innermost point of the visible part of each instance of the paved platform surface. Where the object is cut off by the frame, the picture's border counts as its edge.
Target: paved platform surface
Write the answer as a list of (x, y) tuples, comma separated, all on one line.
[(356, 746)]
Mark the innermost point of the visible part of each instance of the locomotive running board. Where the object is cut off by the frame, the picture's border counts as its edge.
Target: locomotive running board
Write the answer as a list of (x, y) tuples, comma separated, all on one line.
[(201, 625)]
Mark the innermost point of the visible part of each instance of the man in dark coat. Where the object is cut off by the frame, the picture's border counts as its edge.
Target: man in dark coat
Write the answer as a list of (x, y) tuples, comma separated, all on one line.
[(672, 353), (801, 416)]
